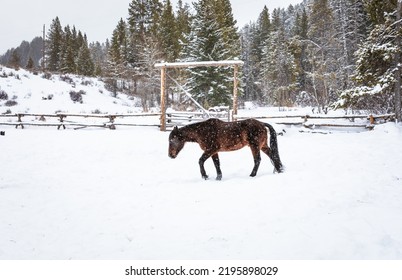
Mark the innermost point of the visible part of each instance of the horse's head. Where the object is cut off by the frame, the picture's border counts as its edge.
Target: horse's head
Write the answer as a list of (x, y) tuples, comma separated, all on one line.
[(176, 142)]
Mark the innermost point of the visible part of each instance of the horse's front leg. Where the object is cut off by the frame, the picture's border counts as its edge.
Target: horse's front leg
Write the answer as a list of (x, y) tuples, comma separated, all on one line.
[(201, 161), (257, 160), (217, 164)]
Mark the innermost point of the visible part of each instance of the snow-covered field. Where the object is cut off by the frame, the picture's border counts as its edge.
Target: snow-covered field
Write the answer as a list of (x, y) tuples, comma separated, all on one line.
[(102, 194), (115, 194)]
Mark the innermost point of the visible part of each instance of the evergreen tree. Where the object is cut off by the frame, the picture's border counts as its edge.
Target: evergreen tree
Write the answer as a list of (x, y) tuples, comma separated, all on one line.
[(148, 86), (118, 55), (168, 35), (299, 51), (278, 65), (26, 50), (85, 65), (254, 37), (375, 70), (54, 45), (322, 47), (99, 57), (67, 64), (378, 10), (351, 24), (211, 86), (30, 64), (249, 77), (261, 35), (143, 15), (183, 21), (227, 25), (142, 23), (15, 60)]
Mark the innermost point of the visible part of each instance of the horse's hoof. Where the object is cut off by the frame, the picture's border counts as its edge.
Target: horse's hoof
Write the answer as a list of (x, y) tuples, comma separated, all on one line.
[(205, 177), (219, 177), (252, 175)]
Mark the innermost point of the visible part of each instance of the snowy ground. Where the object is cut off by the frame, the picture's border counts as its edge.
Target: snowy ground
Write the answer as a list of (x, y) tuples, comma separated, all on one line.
[(115, 194), (102, 194)]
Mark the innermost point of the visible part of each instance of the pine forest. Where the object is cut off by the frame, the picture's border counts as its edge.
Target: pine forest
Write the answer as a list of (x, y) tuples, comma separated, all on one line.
[(328, 54)]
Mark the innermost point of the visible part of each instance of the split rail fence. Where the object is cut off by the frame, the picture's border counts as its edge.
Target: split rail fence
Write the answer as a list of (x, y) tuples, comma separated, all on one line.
[(76, 121), (320, 121), (306, 121), (174, 118)]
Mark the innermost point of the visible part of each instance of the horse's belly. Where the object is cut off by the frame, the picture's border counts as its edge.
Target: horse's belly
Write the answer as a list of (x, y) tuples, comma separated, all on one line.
[(235, 144), (234, 148)]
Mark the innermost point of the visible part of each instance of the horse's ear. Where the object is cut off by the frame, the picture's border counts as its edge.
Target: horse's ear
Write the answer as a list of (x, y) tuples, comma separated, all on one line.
[(175, 128)]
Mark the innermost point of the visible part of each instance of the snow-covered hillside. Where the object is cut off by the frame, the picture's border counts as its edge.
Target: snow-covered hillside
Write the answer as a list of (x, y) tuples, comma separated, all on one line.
[(25, 92), (115, 194)]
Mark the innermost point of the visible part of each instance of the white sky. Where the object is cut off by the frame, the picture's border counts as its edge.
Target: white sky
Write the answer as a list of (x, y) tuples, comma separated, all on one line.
[(24, 19)]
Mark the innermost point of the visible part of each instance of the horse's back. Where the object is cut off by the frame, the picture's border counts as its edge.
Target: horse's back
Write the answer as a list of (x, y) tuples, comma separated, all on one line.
[(253, 126)]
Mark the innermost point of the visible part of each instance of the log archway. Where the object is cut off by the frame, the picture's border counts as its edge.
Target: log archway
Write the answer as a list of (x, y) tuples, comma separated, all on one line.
[(164, 66)]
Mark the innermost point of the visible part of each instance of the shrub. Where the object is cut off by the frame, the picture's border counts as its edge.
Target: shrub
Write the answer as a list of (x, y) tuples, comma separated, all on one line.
[(49, 97), (47, 75), (10, 103), (3, 95), (86, 83), (77, 96), (67, 79)]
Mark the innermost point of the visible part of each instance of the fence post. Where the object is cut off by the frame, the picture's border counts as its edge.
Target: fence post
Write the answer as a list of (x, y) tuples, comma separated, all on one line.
[(398, 113), (163, 99), (235, 85)]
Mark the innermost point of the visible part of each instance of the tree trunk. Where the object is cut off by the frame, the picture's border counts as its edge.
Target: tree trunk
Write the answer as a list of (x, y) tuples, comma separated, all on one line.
[(398, 64)]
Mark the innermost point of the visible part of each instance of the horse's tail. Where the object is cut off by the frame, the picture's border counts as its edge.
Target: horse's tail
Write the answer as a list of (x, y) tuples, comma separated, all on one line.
[(274, 153)]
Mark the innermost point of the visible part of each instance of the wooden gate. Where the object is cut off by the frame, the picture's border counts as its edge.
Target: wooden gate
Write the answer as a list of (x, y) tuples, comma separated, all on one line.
[(164, 66)]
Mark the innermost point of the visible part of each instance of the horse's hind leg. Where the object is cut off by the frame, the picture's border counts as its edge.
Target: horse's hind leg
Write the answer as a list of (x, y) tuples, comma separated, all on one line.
[(217, 164), (268, 152), (257, 160)]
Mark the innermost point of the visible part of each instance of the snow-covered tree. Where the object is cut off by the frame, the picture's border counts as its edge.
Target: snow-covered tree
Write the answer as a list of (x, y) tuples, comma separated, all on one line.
[(148, 85), (375, 70), (210, 39), (143, 19), (183, 20), (85, 65), (253, 37), (118, 55), (99, 56), (168, 34), (351, 24), (323, 47), (299, 51), (278, 65)]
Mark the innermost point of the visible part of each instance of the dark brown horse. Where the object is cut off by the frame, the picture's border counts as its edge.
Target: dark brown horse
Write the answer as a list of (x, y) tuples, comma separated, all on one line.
[(215, 136)]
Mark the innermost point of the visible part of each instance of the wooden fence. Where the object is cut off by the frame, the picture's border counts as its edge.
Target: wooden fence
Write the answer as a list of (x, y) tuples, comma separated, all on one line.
[(110, 121), (62, 120), (324, 121), (180, 118)]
